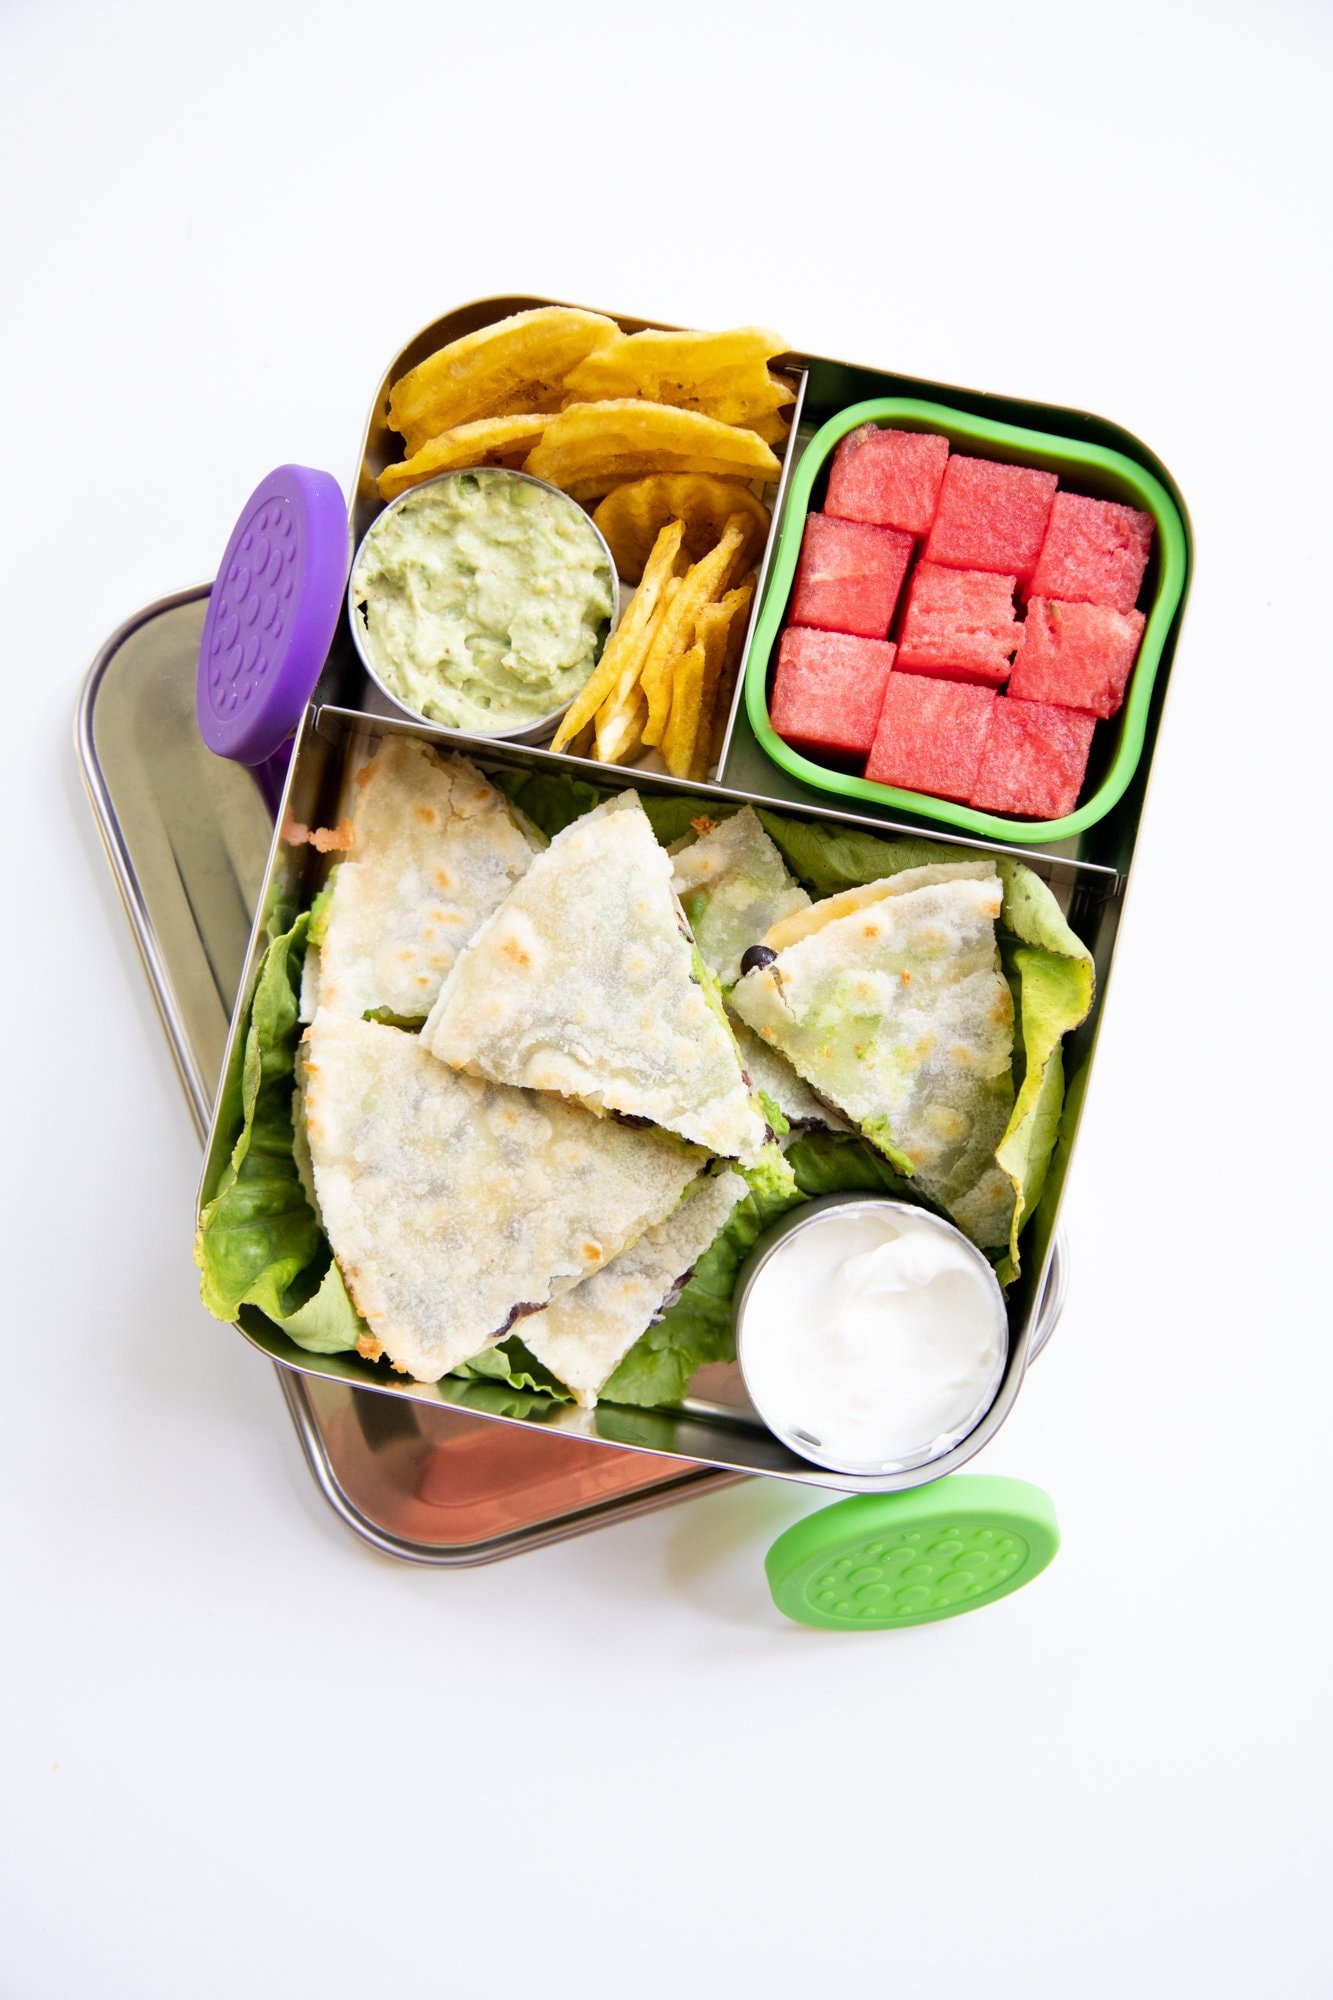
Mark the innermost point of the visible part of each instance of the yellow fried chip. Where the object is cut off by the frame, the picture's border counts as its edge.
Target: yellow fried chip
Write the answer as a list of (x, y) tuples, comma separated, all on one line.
[(772, 426), (514, 366), (614, 440), (682, 729), (624, 649), (726, 685), (490, 441), (675, 634), (721, 630), (621, 717), (620, 726), (724, 375), (632, 515), (591, 490)]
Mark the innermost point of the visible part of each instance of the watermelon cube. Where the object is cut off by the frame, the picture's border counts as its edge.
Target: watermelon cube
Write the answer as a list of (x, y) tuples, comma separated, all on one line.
[(1078, 655), (849, 576), (991, 516), (930, 735), (828, 691), (891, 478), (960, 623), (1095, 551), (1033, 759)]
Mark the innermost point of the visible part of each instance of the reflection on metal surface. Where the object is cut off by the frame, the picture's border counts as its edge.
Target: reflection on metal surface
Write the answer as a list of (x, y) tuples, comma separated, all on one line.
[(437, 1486), (187, 834)]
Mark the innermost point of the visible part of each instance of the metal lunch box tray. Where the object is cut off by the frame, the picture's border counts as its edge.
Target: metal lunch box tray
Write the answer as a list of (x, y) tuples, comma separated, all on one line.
[(187, 836), (190, 840)]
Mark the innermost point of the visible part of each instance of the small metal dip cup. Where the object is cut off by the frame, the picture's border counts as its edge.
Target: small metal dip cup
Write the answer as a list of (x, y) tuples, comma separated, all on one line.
[(545, 726), (771, 1245)]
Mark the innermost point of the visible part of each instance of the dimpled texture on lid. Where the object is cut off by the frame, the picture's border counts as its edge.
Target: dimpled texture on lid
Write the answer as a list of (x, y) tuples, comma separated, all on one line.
[(883, 1560), (272, 613)]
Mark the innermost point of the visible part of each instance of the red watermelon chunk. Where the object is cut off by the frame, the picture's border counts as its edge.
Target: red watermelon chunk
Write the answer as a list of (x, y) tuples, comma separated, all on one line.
[(891, 478), (1033, 759), (930, 735), (1078, 655), (828, 690), (849, 576), (1095, 551), (959, 623), (991, 516)]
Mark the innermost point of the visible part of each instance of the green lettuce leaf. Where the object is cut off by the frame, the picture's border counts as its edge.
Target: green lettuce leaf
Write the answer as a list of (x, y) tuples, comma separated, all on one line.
[(328, 1322), (828, 859), (553, 802), (1049, 968), (842, 1163), (259, 1241), (1054, 994), (319, 909), (509, 1362)]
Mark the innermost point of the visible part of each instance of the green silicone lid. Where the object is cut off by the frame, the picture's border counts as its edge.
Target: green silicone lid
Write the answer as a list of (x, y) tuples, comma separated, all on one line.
[(1088, 468), (880, 1560)]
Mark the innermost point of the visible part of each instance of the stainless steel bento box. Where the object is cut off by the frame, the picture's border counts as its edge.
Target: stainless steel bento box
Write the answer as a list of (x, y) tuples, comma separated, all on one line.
[(715, 1429)]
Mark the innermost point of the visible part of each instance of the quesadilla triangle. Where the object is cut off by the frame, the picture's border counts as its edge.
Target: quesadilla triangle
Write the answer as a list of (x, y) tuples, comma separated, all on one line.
[(435, 849), (584, 1335), (454, 1207), (586, 981), (896, 1010), (774, 1078), (734, 886)]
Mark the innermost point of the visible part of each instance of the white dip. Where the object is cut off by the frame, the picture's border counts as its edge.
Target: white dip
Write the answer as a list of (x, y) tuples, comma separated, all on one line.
[(873, 1338)]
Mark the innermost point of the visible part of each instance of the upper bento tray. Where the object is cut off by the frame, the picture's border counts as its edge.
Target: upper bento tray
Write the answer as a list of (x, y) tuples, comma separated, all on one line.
[(1085, 872), (1100, 456)]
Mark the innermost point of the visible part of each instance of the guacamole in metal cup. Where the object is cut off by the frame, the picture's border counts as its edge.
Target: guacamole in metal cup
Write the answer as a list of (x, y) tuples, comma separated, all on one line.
[(481, 600)]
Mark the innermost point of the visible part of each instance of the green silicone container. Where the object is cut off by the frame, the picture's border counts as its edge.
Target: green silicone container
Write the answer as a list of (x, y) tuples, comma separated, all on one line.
[(1085, 468)]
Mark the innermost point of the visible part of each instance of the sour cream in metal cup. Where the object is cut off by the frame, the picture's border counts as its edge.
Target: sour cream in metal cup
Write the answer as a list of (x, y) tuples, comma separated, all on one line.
[(480, 593), (871, 1334)]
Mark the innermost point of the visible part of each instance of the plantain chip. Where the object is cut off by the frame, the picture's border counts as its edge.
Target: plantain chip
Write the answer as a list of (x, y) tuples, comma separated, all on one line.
[(592, 442), (726, 684), (774, 427), (720, 629), (631, 516), (683, 725), (620, 721), (625, 648), (514, 367), (621, 718), (675, 635), (722, 375), (489, 441), (588, 491)]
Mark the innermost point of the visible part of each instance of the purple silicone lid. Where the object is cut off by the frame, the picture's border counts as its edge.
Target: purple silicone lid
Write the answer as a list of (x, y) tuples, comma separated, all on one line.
[(272, 613)]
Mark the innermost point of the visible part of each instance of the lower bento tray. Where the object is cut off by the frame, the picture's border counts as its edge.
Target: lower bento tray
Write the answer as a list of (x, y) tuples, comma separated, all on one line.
[(187, 836)]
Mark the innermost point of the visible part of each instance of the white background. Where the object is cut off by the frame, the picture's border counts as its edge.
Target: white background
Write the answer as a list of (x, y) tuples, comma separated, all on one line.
[(238, 1752)]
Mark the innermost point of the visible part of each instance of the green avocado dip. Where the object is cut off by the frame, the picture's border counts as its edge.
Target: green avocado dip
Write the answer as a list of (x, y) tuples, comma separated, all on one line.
[(481, 600)]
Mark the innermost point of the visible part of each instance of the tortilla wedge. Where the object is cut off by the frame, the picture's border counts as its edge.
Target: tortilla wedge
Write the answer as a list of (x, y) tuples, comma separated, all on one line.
[(455, 1207), (434, 850), (586, 981), (584, 1335), (733, 887), (772, 1074), (897, 1011)]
